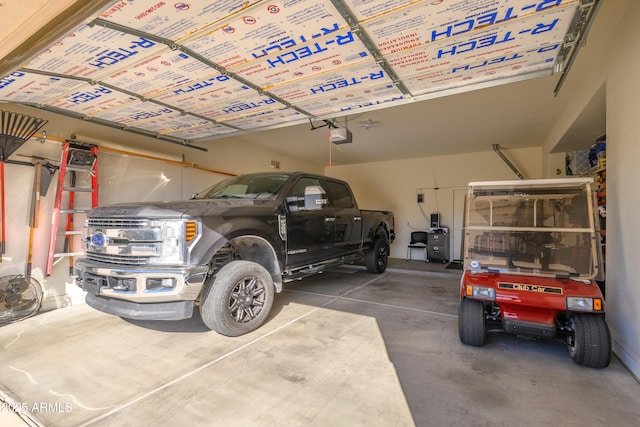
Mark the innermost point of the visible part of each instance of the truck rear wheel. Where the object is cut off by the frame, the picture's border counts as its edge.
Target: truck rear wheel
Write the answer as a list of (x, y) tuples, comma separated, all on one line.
[(238, 301), (472, 327), (376, 257), (589, 342)]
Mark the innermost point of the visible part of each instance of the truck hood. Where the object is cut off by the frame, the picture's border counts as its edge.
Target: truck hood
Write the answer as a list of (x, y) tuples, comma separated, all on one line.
[(180, 208)]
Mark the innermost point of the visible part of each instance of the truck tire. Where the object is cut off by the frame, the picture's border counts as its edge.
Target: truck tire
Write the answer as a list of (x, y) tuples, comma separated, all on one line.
[(472, 327), (376, 257), (238, 301), (589, 342)]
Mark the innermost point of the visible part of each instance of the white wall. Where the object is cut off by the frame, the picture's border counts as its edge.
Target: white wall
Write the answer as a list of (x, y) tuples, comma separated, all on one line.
[(623, 183), (237, 156), (393, 186)]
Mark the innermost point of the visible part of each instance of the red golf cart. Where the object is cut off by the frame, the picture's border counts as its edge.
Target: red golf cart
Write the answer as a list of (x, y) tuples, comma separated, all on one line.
[(531, 257)]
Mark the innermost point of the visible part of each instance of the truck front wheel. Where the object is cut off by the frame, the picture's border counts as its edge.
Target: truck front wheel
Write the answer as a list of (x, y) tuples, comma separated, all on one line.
[(238, 301), (376, 257), (472, 327), (589, 341)]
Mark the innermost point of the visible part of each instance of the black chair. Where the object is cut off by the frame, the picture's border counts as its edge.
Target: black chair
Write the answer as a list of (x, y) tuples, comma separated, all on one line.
[(418, 241)]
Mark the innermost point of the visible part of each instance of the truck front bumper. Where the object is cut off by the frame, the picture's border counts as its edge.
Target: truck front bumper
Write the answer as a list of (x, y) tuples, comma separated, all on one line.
[(174, 310), (166, 293)]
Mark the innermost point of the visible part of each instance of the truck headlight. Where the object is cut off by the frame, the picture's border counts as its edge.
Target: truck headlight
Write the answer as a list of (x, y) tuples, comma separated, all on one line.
[(584, 304), (172, 242), (481, 292)]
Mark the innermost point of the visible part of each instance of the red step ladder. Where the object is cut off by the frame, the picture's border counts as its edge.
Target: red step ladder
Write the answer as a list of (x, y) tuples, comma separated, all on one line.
[(77, 158)]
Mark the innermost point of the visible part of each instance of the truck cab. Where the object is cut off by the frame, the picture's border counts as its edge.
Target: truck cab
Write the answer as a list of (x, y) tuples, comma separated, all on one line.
[(531, 260)]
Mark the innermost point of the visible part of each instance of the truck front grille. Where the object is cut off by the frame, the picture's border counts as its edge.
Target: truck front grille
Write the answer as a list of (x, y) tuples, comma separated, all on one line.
[(129, 241), (117, 223)]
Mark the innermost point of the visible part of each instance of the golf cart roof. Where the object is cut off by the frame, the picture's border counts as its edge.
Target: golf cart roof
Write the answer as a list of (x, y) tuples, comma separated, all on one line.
[(531, 183)]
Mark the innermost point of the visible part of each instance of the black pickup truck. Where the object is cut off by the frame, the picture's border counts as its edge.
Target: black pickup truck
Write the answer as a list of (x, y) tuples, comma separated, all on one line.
[(229, 249)]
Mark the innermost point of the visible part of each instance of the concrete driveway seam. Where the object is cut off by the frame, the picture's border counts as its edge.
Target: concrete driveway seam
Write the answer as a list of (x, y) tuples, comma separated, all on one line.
[(379, 304)]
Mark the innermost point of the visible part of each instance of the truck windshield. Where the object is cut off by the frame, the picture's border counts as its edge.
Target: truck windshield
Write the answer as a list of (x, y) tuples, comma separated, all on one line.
[(245, 187), (541, 231)]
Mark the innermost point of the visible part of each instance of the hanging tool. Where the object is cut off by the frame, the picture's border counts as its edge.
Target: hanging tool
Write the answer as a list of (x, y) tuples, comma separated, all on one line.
[(35, 209), (15, 130)]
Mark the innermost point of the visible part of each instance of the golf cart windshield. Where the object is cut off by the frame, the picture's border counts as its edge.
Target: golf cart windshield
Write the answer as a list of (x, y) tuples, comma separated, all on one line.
[(534, 227)]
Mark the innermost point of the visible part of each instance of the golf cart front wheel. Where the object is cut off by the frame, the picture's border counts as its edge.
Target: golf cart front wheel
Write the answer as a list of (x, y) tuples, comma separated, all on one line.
[(472, 326), (589, 341)]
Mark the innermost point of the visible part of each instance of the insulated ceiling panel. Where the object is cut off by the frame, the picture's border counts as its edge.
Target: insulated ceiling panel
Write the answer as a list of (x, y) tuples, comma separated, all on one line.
[(94, 52), (173, 21), (89, 100), (187, 72)]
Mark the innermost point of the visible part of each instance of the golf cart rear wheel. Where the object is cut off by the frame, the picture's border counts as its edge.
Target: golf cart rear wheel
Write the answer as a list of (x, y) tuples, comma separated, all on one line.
[(471, 323), (589, 341)]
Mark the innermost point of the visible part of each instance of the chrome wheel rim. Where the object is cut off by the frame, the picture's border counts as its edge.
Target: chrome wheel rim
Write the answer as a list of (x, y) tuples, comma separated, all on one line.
[(247, 299)]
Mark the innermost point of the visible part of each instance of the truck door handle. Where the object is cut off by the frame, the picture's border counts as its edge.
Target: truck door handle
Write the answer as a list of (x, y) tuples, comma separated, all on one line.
[(329, 218), (357, 218)]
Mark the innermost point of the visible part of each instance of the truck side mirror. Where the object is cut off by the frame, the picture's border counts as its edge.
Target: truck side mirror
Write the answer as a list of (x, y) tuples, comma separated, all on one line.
[(314, 198)]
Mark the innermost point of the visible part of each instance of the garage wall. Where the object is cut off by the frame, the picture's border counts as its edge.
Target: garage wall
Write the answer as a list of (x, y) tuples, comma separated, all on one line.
[(393, 186), (623, 179)]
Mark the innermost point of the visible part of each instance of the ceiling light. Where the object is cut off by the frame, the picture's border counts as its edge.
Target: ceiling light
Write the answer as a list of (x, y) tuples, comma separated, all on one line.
[(368, 124)]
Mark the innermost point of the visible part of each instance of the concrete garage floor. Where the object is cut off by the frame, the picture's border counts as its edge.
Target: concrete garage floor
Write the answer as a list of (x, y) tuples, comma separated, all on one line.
[(345, 348)]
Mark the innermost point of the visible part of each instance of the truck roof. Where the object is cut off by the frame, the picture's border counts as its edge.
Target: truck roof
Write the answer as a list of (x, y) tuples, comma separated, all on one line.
[(292, 174)]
